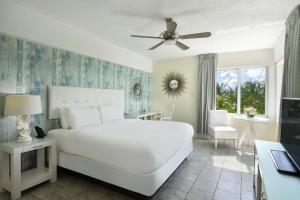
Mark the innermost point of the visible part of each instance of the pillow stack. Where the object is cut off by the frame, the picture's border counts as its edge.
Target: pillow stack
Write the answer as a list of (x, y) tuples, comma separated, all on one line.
[(76, 117)]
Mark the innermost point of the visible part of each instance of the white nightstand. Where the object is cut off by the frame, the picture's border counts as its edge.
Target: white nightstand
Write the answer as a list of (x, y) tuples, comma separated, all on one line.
[(11, 177)]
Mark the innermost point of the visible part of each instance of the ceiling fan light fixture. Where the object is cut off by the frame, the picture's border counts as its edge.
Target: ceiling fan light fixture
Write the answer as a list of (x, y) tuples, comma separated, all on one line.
[(169, 42)]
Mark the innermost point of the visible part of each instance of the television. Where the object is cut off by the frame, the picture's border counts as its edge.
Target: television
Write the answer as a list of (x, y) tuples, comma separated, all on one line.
[(290, 129)]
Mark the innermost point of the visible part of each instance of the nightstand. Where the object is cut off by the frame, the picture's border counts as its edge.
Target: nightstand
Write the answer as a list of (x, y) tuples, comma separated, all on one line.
[(11, 177)]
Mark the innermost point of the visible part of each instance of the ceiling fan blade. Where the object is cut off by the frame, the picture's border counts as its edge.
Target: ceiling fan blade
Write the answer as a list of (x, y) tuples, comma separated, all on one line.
[(157, 45), (171, 26), (195, 35), (143, 36), (181, 45)]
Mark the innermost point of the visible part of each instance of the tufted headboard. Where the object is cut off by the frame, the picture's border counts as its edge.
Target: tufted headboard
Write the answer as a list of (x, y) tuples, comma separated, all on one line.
[(60, 96)]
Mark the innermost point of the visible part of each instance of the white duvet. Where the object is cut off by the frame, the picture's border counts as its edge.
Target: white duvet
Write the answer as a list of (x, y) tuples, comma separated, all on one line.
[(134, 145)]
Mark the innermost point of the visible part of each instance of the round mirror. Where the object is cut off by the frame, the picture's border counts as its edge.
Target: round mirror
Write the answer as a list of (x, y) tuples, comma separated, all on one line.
[(137, 89), (173, 84)]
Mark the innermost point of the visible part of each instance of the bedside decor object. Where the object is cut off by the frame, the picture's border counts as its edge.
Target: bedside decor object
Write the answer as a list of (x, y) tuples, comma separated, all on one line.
[(23, 106), (250, 112), (174, 84), (137, 89), (40, 132)]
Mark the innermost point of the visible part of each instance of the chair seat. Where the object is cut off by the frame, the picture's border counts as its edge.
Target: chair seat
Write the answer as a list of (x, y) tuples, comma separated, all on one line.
[(223, 132)]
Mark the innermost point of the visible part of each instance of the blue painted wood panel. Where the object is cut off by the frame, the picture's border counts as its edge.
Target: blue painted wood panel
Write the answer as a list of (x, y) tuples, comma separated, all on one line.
[(27, 67)]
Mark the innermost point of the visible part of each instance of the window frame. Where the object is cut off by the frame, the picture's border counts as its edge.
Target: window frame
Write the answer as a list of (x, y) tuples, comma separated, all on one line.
[(239, 87)]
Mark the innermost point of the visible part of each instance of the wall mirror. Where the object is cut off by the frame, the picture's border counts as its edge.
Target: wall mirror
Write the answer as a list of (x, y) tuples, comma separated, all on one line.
[(137, 89)]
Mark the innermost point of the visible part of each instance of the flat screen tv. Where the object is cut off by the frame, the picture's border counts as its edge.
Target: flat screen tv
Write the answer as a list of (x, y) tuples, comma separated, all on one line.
[(290, 128)]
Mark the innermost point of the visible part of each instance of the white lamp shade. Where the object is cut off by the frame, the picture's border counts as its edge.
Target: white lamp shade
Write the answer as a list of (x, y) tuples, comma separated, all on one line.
[(22, 105)]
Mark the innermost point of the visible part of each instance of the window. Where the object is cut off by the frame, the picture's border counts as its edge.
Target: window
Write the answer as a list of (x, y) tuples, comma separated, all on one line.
[(227, 90), (240, 88)]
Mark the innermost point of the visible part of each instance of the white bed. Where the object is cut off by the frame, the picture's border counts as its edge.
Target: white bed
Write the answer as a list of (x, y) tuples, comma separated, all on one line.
[(133, 154)]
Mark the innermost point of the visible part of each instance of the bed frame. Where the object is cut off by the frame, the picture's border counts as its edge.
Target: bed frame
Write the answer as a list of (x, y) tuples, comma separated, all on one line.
[(145, 184)]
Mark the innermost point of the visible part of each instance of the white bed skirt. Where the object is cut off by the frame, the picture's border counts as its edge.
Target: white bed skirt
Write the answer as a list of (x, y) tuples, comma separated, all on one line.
[(145, 184)]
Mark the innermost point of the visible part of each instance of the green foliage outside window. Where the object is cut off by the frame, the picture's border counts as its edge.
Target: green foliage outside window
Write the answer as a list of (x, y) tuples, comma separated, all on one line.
[(250, 82), (226, 98), (253, 95)]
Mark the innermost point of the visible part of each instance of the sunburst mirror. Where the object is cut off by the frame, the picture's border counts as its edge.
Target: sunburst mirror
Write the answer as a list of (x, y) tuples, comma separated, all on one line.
[(174, 84)]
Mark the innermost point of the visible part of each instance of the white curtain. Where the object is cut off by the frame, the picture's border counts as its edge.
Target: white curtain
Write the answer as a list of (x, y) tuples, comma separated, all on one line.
[(206, 90)]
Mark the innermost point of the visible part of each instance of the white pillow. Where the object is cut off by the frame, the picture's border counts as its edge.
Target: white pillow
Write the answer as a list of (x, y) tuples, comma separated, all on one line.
[(64, 118), (111, 112), (83, 116)]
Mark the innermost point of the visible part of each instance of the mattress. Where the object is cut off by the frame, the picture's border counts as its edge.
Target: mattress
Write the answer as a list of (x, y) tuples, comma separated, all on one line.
[(137, 146)]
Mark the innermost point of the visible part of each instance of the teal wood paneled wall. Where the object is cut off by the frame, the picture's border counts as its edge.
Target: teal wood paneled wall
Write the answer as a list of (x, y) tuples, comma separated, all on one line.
[(28, 68)]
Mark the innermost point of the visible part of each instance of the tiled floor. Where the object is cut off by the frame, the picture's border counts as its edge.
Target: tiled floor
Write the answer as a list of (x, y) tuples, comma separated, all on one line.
[(207, 174)]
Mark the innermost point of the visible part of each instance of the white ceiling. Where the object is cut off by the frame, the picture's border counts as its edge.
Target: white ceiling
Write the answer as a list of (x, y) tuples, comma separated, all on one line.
[(235, 24)]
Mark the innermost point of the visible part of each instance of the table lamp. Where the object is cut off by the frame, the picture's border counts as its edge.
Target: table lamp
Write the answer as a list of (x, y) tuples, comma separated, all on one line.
[(23, 106)]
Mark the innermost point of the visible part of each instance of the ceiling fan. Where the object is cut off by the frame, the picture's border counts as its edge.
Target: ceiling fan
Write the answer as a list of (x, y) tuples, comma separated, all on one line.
[(170, 36)]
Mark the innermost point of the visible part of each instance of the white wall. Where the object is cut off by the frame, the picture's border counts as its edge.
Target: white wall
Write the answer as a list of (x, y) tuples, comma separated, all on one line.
[(27, 24), (186, 105), (278, 49)]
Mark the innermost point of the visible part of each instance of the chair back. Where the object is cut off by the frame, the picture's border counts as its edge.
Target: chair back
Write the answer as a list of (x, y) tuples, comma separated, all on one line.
[(217, 118)]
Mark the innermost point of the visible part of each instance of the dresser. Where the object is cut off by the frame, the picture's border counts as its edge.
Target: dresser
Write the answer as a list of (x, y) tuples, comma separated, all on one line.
[(270, 184)]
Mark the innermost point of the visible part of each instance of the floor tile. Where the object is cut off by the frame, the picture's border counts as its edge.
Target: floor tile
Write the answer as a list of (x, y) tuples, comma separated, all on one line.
[(53, 197), (46, 189), (247, 177), (70, 191), (189, 174), (248, 195), (171, 194), (247, 186), (210, 177), (4, 195), (197, 194), (223, 195), (229, 186), (231, 175), (205, 185), (28, 197), (179, 184)]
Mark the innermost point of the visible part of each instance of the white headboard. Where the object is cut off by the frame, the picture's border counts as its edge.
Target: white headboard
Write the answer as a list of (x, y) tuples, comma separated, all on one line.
[(60, 96)]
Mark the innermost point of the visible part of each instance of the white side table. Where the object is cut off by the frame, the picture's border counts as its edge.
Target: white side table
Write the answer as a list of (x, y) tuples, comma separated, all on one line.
[(11, 177), (249, 129)]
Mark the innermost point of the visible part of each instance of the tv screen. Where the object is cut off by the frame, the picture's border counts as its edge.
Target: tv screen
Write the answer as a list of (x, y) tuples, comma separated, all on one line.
[(290, 128)]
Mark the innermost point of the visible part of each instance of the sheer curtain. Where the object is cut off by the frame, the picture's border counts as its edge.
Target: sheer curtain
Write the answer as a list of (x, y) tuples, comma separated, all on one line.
[(206, 90), (291, 71)]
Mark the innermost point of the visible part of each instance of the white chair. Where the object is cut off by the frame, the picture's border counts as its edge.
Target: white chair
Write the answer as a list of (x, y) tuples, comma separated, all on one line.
[(218, 128), (168, 115)]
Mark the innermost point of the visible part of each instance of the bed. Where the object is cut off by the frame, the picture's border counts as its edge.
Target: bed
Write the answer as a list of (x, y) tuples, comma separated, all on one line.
[(133, 154)]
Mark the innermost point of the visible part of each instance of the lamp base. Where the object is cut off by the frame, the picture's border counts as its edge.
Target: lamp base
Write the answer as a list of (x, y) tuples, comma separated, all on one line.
[(23, 123), (22, 139)]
